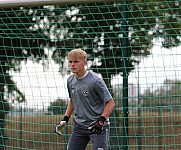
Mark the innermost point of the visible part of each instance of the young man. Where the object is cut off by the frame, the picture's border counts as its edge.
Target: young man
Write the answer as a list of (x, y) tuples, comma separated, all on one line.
[(91, 103)]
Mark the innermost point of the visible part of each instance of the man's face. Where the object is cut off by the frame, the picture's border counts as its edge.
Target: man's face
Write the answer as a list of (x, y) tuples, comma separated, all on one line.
[(76, 65)]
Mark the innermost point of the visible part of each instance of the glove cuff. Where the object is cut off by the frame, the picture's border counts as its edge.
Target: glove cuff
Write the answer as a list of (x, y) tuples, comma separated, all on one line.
[(101, 120), (66, 118)]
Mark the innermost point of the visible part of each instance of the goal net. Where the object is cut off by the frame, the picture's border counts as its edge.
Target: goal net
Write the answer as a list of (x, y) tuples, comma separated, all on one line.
[(133, 45)]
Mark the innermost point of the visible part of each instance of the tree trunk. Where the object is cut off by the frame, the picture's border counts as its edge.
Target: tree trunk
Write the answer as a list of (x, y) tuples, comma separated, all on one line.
[(2, 104)]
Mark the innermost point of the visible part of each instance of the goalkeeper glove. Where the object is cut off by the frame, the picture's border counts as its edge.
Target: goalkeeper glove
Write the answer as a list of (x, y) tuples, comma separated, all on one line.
[(96, 127), (61, 125)]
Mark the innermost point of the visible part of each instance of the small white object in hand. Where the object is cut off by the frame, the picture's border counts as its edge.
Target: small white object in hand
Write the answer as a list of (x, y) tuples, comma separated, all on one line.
[(59, 127)]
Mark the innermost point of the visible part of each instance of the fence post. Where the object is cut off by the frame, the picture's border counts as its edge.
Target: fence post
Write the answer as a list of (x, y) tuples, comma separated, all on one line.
[(125, 49)]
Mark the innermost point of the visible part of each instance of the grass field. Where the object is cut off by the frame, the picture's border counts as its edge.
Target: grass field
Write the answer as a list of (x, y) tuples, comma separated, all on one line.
[(37, 132)]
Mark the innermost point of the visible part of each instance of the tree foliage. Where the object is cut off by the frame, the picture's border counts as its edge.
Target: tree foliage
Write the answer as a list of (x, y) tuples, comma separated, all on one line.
[(98, 29)]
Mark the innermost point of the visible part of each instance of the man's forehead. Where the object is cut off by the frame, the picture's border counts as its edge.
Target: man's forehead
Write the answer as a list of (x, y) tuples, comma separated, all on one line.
[(74, 59)]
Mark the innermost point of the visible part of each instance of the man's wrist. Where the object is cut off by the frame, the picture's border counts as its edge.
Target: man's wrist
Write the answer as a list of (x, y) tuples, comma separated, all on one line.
[(101, 120), (66, 118)]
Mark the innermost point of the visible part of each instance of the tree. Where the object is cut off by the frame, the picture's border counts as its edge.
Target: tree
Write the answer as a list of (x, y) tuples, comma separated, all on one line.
[(97, 29)]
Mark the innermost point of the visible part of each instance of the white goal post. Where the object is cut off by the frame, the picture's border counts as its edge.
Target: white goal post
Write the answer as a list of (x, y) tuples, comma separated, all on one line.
[(24, 3)]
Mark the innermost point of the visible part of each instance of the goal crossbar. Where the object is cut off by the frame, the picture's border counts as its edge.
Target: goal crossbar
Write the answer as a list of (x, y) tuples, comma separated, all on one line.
[(28, 3)]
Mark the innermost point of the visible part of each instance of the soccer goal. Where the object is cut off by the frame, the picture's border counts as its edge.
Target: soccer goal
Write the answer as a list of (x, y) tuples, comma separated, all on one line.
[(133, 45), (30, 3)]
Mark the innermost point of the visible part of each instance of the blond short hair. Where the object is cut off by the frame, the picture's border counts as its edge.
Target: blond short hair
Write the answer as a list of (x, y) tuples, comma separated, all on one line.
[(77, 54)]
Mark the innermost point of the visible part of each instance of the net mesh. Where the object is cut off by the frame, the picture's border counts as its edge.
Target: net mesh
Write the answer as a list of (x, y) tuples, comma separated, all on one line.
[(134, 46)]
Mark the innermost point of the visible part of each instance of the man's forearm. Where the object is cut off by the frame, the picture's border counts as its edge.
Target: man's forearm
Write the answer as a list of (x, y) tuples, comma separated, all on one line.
[(108, 108), (70, 109)]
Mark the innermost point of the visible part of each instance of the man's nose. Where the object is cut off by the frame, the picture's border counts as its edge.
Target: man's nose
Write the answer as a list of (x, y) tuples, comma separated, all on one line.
[(72, 64)]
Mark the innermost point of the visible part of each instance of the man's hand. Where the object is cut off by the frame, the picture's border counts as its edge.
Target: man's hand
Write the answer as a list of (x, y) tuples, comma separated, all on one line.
[(96, 127), (61, 125)]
